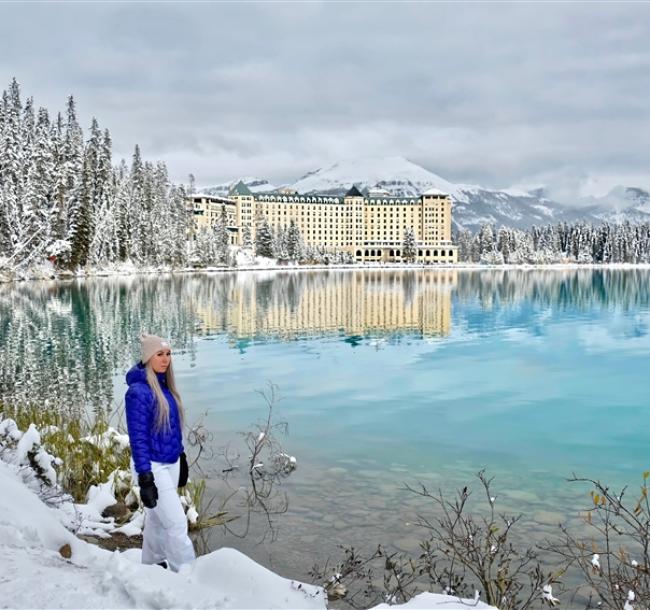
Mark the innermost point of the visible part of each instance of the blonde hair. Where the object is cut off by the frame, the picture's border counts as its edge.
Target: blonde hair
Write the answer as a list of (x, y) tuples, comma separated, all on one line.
[(162, 419)]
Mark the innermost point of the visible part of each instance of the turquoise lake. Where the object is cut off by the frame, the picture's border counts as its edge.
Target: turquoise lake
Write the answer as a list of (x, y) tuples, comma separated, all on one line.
[(387, 378)]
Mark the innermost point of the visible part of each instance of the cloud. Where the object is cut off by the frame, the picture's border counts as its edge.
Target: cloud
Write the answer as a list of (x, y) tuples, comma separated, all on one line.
[(496, 94)]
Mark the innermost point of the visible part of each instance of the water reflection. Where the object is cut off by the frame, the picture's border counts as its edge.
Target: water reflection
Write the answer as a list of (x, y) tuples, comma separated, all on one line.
[(62, 342), (562, 289), (287, 306)]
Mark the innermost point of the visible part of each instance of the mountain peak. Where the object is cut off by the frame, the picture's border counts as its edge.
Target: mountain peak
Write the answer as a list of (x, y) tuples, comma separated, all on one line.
[(396, 174), (251, 183)]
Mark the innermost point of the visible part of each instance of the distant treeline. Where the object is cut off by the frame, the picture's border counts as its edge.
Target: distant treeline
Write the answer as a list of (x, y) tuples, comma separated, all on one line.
[(558, 243)]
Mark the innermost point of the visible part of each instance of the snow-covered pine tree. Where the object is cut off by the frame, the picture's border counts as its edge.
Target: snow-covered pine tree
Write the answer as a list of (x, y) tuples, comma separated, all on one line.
[(294, 242), (147, 240), (178, 221), (58, 219), (221, 237), (24, 220), (137, 217), (409, 245), (159, 238), (247, 240), (104, 245), (11, 170), (464, 241), (281, 250), (486, 239), (264, 239), (205, 252), (39, 207), (82, 215), (584, 250), (122, 211), (492, 257), (503, 243), (73, 159)]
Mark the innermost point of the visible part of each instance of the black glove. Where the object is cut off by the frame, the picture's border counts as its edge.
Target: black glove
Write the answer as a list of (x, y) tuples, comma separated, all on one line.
[(148, 489), (184, 471)]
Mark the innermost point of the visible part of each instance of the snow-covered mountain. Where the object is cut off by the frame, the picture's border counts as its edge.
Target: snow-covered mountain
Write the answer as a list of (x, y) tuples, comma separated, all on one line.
[(473, 205), (256, 185), (395, 174), (622, 203)]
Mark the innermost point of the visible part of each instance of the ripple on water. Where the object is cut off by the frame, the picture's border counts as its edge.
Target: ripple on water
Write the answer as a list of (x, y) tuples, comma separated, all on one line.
[(337, 470), (520, 495)]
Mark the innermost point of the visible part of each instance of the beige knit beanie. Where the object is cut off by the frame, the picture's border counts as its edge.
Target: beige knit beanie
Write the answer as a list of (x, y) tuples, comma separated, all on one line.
[(151, 344)]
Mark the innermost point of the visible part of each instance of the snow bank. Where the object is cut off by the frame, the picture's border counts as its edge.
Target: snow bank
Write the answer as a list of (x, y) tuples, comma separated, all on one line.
[(36, 575), (438, 600), (44, 565), (29, 451), (24, 520)]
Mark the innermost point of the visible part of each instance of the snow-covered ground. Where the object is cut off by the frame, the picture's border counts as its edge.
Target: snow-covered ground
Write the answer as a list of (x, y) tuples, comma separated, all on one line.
[(245, 263), (36, 575), (44, 565)]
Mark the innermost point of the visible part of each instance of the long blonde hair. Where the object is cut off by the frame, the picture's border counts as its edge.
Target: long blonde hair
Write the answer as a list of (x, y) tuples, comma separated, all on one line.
[(162, 420)]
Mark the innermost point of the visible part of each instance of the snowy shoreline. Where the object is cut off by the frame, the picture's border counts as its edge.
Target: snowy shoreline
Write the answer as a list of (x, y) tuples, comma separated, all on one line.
[(48, 273), (45, 565)]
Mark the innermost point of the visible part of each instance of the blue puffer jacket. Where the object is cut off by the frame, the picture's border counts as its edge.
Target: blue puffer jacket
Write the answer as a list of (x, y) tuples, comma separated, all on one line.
[(148, 444)]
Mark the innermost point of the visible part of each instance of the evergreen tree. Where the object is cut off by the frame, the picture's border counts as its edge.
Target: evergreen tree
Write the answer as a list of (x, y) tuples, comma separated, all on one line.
[(503, 243), (82, 215), (122, 211), (294, 242), (137, 217), (222, 238), (281, 250), (58, 219), (409, 245), (486, 239), (178, 222), (11, 170), (158, 242), (247, 240), (205, 252), (464, 241), (264, 240), (74, 161), (39, 203), (27, 129)]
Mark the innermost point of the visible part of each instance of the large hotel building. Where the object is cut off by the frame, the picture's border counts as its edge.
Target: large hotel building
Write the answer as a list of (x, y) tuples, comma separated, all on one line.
[(370, 227)]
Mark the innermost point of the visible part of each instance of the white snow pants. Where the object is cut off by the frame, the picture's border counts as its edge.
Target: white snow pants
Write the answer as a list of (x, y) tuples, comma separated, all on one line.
[(165, 526)]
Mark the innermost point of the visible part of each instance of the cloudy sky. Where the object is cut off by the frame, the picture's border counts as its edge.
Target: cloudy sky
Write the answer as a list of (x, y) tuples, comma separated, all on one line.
[(498, 94)]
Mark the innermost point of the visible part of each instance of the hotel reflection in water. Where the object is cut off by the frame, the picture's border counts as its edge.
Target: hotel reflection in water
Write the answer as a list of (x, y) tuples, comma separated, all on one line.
[(290, 305)]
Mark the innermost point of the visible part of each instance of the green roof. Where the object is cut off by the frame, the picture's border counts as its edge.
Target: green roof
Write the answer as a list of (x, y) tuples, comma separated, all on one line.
[(240, 189), (354, 192)]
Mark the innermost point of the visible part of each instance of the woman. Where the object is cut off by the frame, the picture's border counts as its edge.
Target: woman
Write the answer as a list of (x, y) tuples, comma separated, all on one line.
[(154, 417)]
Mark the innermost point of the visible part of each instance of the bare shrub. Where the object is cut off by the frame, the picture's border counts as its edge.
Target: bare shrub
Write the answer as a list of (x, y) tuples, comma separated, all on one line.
[(611, 552), (475, 555)]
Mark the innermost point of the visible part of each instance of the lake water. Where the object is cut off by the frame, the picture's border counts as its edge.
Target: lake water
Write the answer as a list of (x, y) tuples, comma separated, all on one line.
[(387, 378)]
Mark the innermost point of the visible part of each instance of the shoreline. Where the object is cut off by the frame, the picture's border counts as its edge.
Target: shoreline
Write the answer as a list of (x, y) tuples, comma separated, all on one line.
[(50, 275)]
